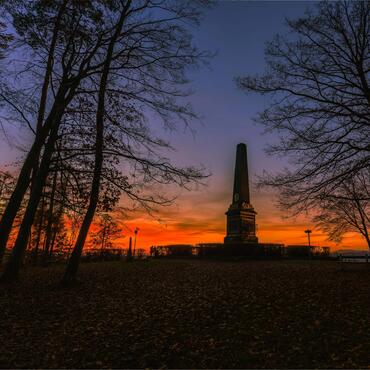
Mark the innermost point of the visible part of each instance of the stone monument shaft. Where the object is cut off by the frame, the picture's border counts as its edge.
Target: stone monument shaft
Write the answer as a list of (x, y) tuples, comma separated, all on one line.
[(241, 216), (241, 181)]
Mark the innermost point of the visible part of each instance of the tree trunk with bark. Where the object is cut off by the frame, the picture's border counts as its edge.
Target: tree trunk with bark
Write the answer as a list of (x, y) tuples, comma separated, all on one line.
[(12, 268), (31, 163), (23, 181), (39, 230), (49, 228), (73, 263)]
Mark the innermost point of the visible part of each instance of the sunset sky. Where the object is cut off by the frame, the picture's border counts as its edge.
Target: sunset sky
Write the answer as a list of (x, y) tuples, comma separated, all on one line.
[(237, 31)]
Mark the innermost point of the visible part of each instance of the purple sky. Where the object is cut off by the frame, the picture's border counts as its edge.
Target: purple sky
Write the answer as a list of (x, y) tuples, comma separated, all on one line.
[(237, 31)]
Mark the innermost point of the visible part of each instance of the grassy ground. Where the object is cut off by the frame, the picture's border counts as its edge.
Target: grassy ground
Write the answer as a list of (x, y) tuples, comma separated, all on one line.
[(186, 314)]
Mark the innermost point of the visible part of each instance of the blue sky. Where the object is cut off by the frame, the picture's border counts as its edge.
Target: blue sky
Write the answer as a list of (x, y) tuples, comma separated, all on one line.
[(237, 31)]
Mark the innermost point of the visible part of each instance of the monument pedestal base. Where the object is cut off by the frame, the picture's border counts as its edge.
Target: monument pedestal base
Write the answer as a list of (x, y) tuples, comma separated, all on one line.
[(252, 240)]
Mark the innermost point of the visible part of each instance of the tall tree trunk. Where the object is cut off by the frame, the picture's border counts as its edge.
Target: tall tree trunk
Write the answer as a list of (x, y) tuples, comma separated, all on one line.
[(39, 229), (12, 268), (17, 196), (366, 235), (53, 243), (23, 181), (45, 85), (31, 163), (103, 236), (72, 267), (363, 218), (368, 242), (49, 228), (60, 213)]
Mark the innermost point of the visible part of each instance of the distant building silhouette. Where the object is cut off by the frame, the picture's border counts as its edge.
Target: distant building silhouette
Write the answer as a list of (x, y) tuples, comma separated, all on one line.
[(241, 216)]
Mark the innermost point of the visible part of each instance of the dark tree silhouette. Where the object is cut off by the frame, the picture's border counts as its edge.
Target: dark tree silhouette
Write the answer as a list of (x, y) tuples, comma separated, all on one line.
[(24, 21), (347, 209), (152, 53), (5, 38), (6, 188), (80, 30), (107, 231), (141, 68), (318, 80), (73, 262)]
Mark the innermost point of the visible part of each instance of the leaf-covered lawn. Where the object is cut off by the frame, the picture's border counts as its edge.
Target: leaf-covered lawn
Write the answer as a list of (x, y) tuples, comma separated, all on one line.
[(186, 314)]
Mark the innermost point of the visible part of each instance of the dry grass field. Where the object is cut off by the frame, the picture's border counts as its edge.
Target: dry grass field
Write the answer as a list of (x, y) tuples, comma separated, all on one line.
[(189, 314)]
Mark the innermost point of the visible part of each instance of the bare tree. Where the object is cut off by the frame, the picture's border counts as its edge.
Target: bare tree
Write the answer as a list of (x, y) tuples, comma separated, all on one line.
[(107, 231), (7, 184), (73, 262), (25, 22), (80, 40), (6, 188), (141, 65), (5, 38), (145, 62), (318, 80), (347, 210)]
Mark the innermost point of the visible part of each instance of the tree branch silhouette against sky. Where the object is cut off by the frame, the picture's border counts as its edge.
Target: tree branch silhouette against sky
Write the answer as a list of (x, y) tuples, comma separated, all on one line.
[(237, 31)]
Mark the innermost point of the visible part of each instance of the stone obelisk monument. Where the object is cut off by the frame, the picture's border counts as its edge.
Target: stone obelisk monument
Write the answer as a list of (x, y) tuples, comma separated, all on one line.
[(241, 216)]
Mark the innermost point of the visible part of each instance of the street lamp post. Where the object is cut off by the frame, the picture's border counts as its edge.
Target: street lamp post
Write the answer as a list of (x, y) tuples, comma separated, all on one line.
[(135, 232), (308, 232), (129, 251)]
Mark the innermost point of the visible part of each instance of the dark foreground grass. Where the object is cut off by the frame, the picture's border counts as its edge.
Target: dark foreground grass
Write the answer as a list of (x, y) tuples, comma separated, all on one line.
[(186, 314)]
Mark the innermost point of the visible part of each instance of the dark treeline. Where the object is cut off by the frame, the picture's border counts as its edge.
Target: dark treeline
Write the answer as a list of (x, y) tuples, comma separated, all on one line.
[(89, 81)]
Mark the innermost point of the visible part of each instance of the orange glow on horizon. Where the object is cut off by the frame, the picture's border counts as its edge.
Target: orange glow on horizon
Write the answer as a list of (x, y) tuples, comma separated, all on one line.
[(199, 217), (153, 233)]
